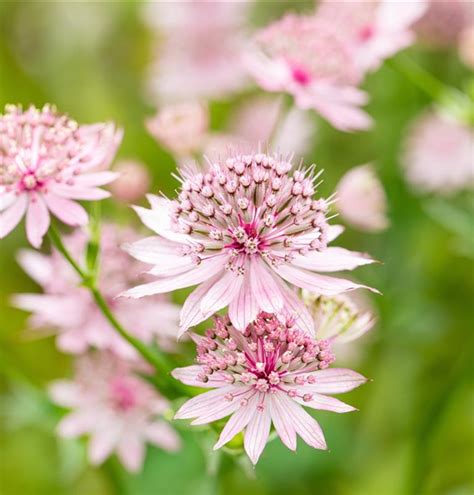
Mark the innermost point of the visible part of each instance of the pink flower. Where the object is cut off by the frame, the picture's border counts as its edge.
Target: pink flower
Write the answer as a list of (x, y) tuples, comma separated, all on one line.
[(376, 29), (311, 61), (361, 199), (240, 231), (68, 308), (46, 161), (264, 376), (132, 183), (118, 410), (466, 46), (438, 154), (180, 128), (199, 51), (443, 22)]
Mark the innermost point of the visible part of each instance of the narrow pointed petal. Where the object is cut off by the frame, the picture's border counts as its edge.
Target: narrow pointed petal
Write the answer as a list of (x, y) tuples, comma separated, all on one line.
[(222, 292), (265, 291), (282, 422), (217, 412), (200, 404), (96, 179), (244, 307), (334, 231), (162, 435), (152, 249), (237, 422), (78, 192), (37, 221), (256, 434), (11, 217), (336, 380), (189, 376), (333, 259), (69, 212), (131, 452), (325, 403), (36, 265)]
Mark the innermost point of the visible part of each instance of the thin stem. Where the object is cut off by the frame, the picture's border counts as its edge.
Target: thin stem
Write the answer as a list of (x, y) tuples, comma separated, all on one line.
[(156, 359)]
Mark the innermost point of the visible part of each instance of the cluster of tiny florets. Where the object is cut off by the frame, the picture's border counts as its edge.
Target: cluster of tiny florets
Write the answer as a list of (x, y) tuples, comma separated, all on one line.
[(250, 204), (269, 356)]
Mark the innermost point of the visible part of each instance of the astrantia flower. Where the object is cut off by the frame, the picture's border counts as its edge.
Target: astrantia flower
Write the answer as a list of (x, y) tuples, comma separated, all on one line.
[(46, 162), (241, 230), (68, 309), (264, 376), (376, 29), (338, 318), (311, 61), (361, 199), (119, 411), (180, 128), (438, 154)]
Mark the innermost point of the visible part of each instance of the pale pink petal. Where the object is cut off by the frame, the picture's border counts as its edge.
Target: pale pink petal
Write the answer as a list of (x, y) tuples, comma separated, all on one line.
[(11, 217), (96, 179), (189, 376), (334, 231), (36, 265), (336, 380), (283, 422), (244, 307), (152, 249), (324, 403), (76, 424), (219, 411), (306, 426), (73, 341), (131, 451), (256, 433), (103, 440), (162, 435), (199, 273), (65, 393), (332, 259), (66, 210), (265, 291), (200, 404), (321, 284), (221, 292), (393, 15), (191, 313), (37, 221), (237, 422), (78, 192)]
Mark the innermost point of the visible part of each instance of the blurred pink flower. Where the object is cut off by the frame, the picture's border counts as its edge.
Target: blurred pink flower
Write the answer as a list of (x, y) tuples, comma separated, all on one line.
[(438, 155), (375, 29), (132, 183), (119, 411), (311, 61), (199, 53), (240, 231), (180, 128), (46, 162), (443, 22), (466, 46), (264, 376), (361, 199), (68, 308)]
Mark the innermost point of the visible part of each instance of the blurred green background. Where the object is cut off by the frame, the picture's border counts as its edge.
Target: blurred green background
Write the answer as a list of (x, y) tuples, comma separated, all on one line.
[(414, 432)]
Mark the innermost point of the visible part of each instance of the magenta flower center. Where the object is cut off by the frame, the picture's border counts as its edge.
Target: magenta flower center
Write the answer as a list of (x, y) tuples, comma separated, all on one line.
[(122, 395), (270, 356)]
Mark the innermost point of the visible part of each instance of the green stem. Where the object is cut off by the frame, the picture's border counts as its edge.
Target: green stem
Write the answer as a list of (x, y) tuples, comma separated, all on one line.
[(156, 359)]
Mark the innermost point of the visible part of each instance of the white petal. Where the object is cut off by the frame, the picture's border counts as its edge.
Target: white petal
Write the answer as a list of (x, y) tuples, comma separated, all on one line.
[(282, 422), (336, 380), (256, 433)]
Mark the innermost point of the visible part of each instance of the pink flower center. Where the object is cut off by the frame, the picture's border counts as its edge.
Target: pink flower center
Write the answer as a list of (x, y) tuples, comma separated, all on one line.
[(366, 33), (301, 76), (122, 395), (30, 182)]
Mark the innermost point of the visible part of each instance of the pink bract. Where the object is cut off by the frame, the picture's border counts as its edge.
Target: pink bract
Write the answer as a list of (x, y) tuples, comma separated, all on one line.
[(67, 308), (119, 411), (261, 377), (46, 162), (242, 231)]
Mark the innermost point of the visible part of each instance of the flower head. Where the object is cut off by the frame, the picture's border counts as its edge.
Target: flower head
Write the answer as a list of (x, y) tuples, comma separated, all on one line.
[(361, 199), (311, 61), (133, 181), (46, 161), (338, 319), (68, 308), (264, 376), (180, 128), (241, 230), (117, 409), (376, 29), (438, 154)]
